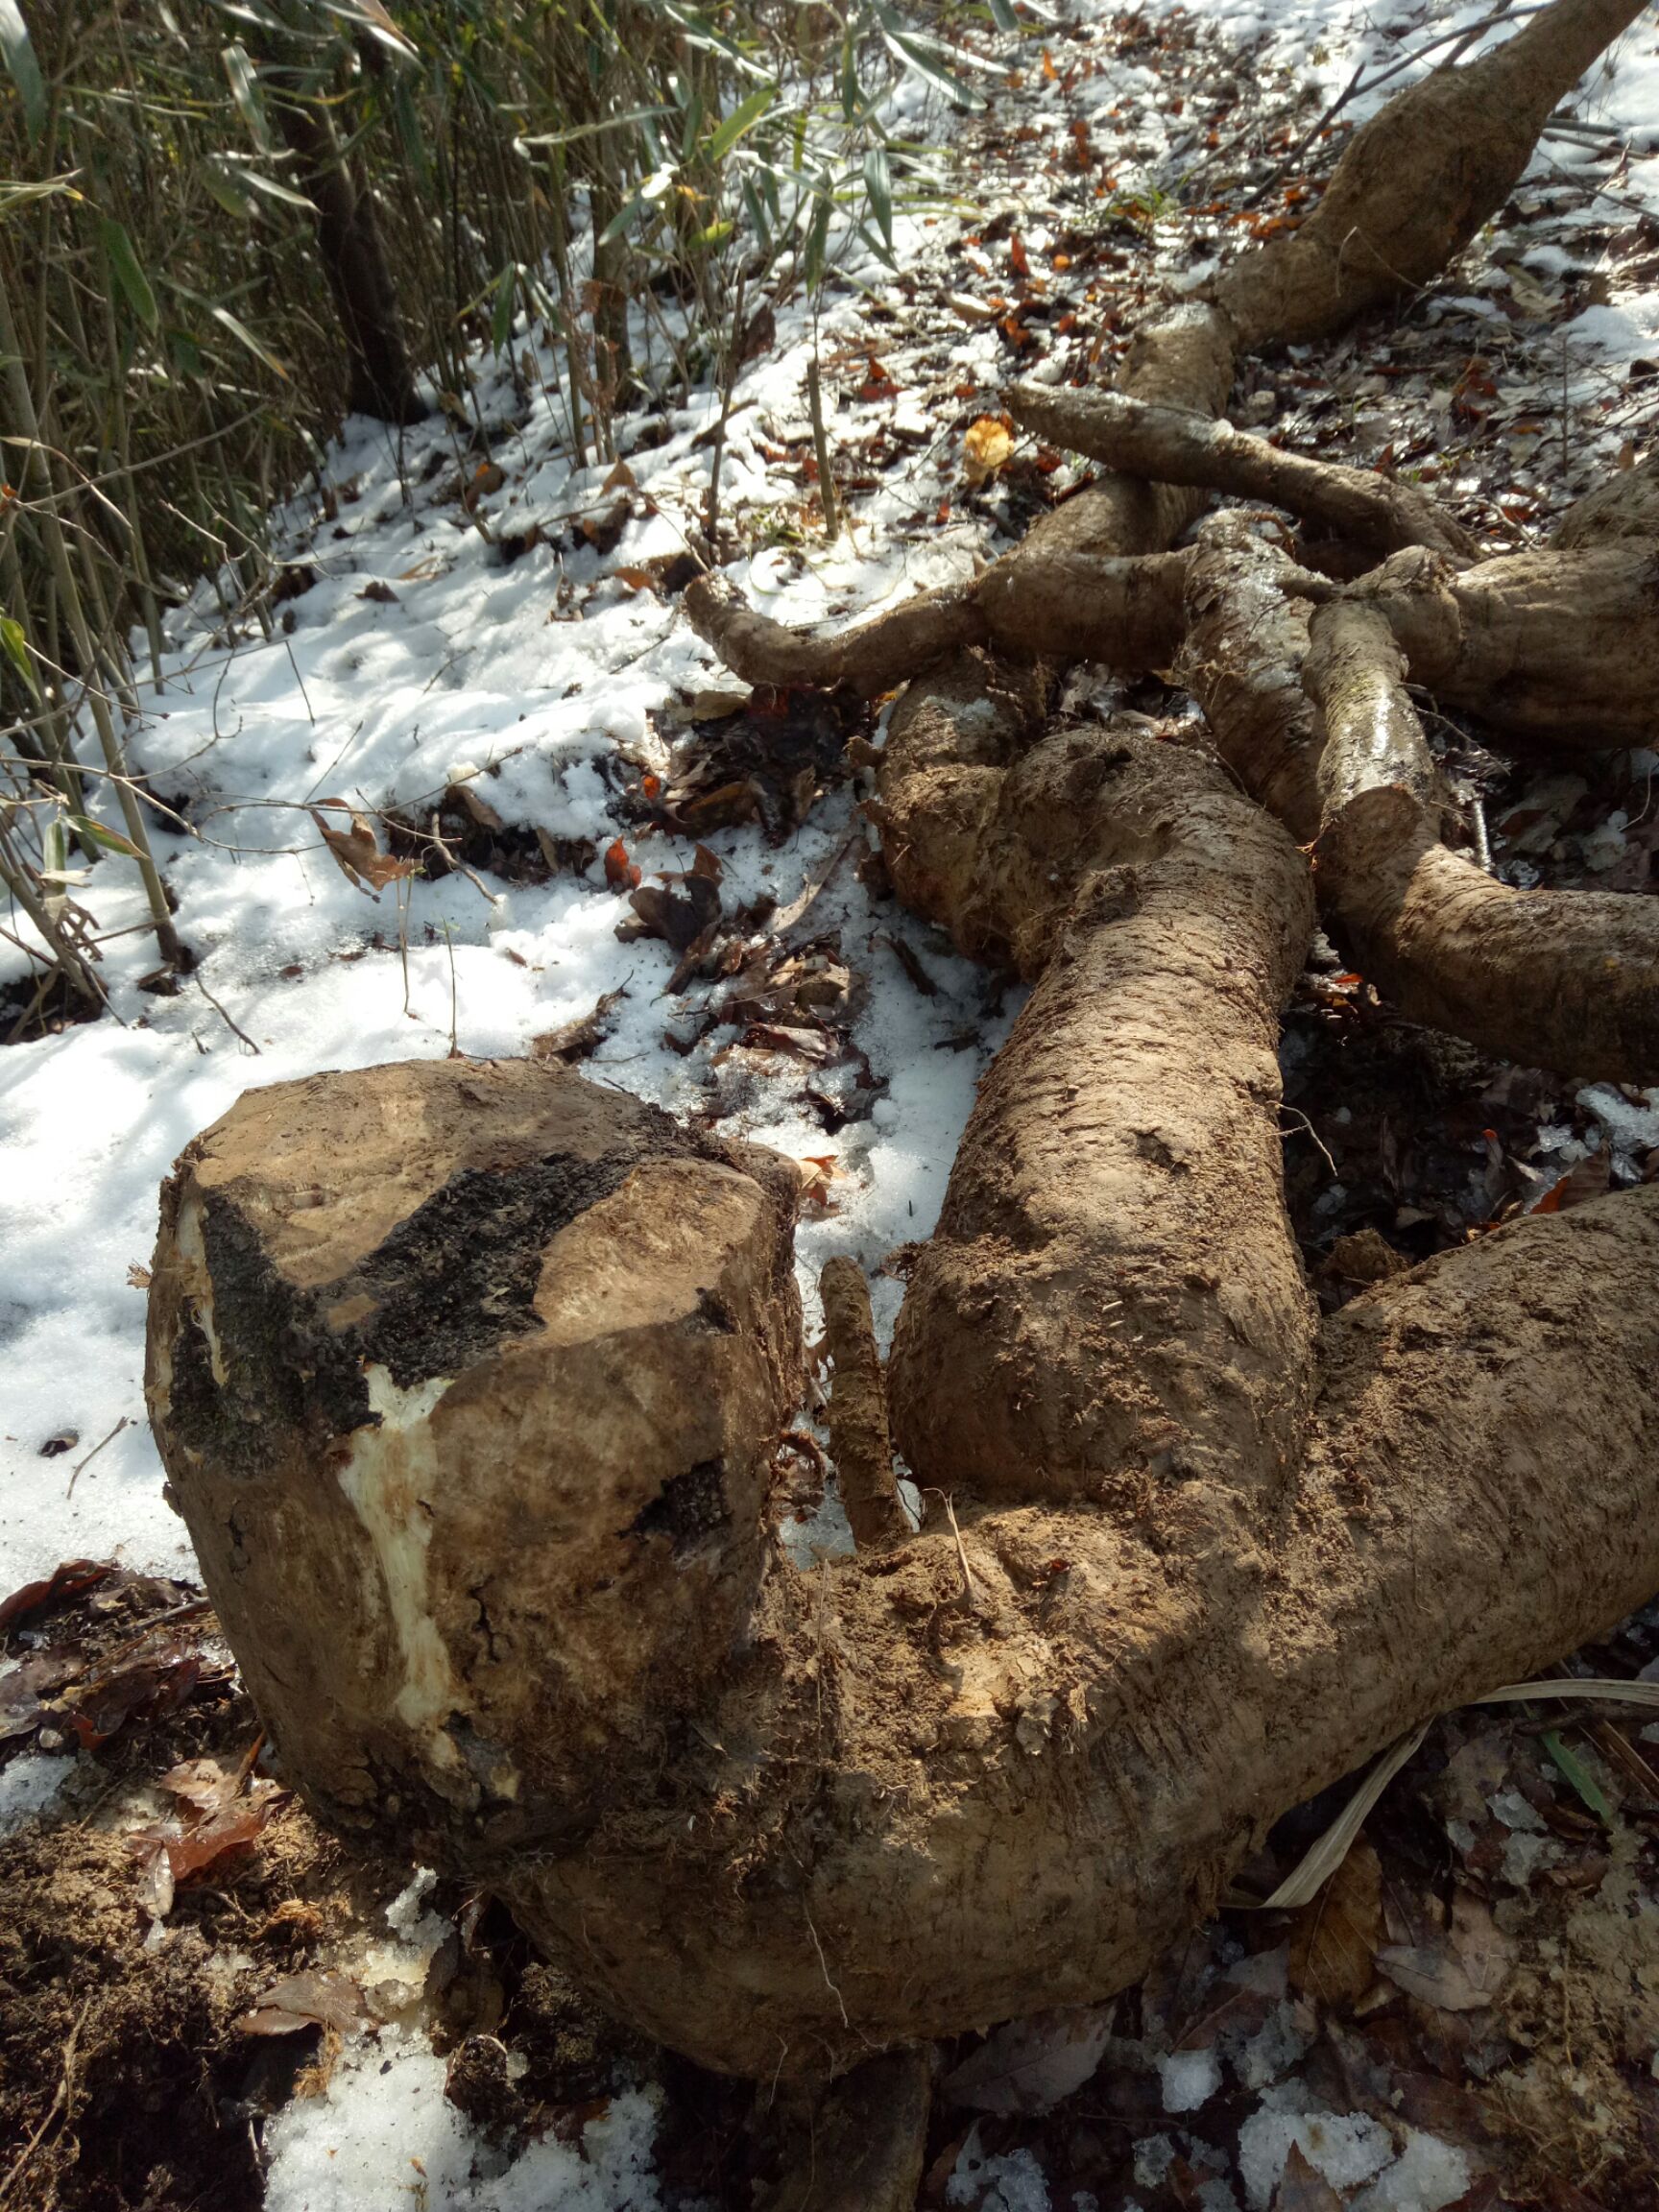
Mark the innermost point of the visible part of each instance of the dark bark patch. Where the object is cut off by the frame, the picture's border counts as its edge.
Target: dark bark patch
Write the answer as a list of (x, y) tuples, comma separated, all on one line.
[(687, 1509)]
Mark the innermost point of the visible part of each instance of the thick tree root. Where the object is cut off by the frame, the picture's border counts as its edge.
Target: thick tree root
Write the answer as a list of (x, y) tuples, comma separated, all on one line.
[(1173, 446), (1063, 605), (1113, 1262), (1555, 645), (467, 1379), (783, 1821), (1418, 180), (1567, 979)]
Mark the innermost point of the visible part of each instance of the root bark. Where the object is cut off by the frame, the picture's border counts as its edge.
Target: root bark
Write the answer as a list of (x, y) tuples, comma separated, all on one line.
[(1173, 446), (1567, 979)]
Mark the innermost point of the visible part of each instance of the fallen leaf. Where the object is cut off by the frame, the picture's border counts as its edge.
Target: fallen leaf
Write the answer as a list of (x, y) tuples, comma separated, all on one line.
[(986, 446), (1463, 1974), (1029, 2065), (69, 1581), (24, 1688), (204, 1783), (575, 1040), (1303, 2188), (302, 2001), (678, 917), (620, 479), (1334, 1940), (1588, 1179), (358, 852), (620, 873), (381, 592)]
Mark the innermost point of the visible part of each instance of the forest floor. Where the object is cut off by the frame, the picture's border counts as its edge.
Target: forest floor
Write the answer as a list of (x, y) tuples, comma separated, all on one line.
[(478, 647)]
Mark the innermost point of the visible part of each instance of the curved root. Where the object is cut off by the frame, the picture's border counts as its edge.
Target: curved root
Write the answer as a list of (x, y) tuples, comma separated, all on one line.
[(1567, 979), (1175, 445)]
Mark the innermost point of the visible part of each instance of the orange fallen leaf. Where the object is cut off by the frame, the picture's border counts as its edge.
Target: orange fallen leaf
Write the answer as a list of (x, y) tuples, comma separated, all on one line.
[(986, 446), (620, 873)]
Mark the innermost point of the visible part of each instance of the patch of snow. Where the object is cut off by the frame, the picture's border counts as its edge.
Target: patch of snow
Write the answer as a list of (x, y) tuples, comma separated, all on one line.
[(384, 2137), (1347, 2148), (1273, 2050), (1189, 2079), (1011, 2181), (1426, 2176), (1631, 1128), (29, 1785)]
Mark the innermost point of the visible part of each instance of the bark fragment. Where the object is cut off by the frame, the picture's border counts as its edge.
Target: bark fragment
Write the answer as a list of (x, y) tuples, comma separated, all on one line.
[(859, 1440)]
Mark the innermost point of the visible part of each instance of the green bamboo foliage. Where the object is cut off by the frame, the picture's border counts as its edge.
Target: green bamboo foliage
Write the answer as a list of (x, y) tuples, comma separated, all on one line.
[(623, 180)]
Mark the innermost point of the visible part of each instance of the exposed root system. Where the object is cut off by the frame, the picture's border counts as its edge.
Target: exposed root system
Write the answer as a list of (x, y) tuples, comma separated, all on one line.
[(505, 1585)]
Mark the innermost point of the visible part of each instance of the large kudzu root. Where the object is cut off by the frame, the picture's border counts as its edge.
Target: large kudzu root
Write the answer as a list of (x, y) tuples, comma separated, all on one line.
[(1567, 979), (482, 1518), (1419, 180), (1069, 606), (1562, 645), (1175, 445), (1113, 1263)]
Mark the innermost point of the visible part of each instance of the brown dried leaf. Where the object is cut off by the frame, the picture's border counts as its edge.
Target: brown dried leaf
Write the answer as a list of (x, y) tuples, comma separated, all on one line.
[(231, 1830), (358, 852), (71, 1580), (1462, 1973), (1303, 2188), (1590, 1178), (575, 1040), (204, 1783), (300, 2000), (1334, 1940), (1029, 2065), (620, 873), (679, 918), (986, 446)]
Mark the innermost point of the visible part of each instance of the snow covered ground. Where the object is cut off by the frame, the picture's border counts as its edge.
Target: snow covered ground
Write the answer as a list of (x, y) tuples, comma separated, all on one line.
[(420, 658)]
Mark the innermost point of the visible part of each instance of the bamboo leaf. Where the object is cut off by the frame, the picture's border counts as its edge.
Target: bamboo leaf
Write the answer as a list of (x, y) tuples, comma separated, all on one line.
[(406, 117), (245, 91), (273, 189), (240, 332), (15, 641), (130, 277), (1003, 15), (112, 840), (817, 242), (878, 183), (25, 71), (371, 17), (228, 190), (743, 117), (1580, 1776)]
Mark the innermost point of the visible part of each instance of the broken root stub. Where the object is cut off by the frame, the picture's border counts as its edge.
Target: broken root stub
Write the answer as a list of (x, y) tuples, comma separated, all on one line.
[(467, 1378)]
